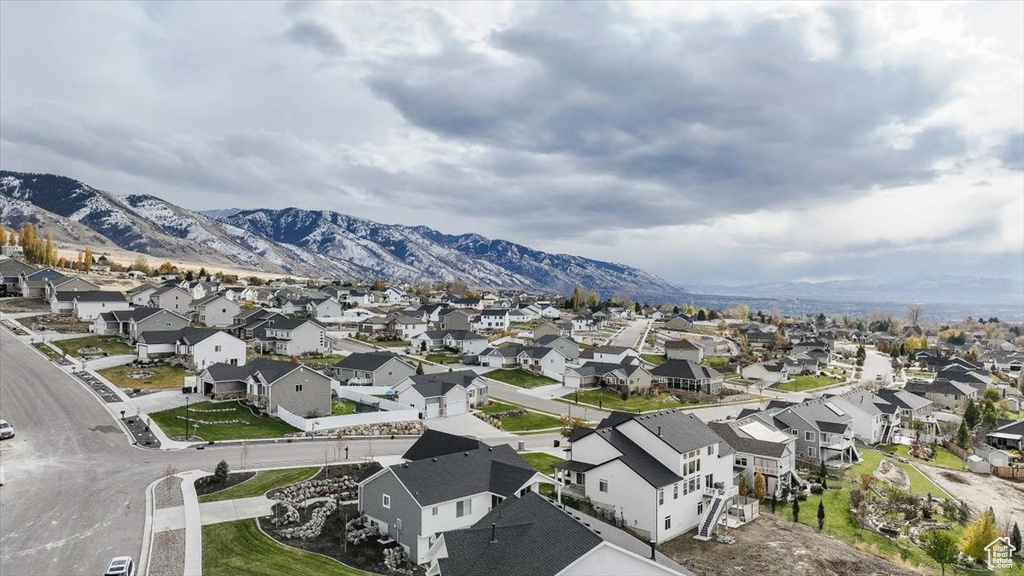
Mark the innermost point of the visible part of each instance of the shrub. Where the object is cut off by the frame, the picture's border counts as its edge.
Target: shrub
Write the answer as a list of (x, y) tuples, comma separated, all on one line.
[(220, 473)]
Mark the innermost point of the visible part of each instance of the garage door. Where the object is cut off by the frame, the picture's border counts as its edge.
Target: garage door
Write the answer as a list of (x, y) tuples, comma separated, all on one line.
[(456, 408), (432, 410)]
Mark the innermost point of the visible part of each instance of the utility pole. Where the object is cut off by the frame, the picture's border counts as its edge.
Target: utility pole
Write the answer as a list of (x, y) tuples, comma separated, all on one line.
[(187, 421)]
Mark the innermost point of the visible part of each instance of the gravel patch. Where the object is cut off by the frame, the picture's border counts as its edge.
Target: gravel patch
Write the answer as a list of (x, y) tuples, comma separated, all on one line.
[(167, 494), (168, 557)]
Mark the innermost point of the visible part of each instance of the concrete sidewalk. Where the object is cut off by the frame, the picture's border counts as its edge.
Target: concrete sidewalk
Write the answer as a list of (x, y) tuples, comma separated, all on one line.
[(193, 524), (231, 510)]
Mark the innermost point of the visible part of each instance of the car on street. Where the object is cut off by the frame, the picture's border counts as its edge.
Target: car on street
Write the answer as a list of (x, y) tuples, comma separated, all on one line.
[(120, 566), (6, 430)]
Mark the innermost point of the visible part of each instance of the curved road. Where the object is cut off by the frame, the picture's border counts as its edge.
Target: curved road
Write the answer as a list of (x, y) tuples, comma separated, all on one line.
[(75, 488)]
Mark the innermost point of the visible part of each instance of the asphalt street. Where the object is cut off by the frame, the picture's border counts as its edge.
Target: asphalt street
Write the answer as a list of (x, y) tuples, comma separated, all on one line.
[(630, 335), (75, 488)]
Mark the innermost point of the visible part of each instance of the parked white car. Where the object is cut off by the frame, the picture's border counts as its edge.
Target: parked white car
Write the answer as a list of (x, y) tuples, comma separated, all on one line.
[(120, 566), (6, 430)]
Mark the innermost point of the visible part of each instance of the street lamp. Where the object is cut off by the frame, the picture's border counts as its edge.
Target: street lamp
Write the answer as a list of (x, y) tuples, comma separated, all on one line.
[(187, 422)]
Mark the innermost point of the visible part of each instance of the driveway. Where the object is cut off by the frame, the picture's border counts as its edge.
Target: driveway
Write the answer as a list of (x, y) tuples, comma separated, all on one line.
[(630, 335), (470, 425), (516, 395)]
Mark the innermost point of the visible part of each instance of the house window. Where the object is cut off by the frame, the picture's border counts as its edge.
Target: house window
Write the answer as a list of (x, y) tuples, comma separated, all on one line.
[(386, 501), (810, 450), (741, 461), (793, 431), (700, 508), (463, 508), (711, 450), (602, 485), (433, 511), (661, 497), (675, 491), (216, 348), (809, 436), (298, 387), (668, 522)]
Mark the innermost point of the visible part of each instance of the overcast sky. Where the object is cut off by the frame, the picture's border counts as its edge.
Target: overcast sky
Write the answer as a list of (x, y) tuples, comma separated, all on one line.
[(707, 143)]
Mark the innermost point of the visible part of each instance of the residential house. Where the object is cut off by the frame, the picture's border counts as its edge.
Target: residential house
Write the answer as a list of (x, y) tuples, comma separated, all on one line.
[(86, 306), (69, 284), (910, 408), (414, 502), (199, 347), (141, 294), (680, 323), (518, 536), (873, 418), (131, 323), (292, 337), (32, 284), (442, 394), (271, 384), (811, 345), (611, 354), (461, 341), (406, 327), (553, 328), (687, 375), (945, 393), (454, 319), (373, 369), (11, 271), (684, 350), (823, 431), (214, 311), (173, 298), (466, 303), (493, 319), (760, 446), (1008, 436), (498, 357), (769, 372), (661, 474), (566, 346), (545, 361), (606, 374)]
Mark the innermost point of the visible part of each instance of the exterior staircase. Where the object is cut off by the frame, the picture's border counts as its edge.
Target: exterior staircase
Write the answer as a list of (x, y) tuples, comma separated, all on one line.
[(719, 500)]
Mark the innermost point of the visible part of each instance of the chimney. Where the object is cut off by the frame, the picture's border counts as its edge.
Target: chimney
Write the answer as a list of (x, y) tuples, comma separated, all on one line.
[(652, 550), (494, 533), (659, 431)]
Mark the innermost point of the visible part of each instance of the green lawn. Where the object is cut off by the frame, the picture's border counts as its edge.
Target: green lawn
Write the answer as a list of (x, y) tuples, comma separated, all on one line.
[(609, 399), (240, 548), (520, 378), (653, 358), (585, 346), (263, 482), (164, 377), (943, 458), (220, 425), (524, 423), (731, 376), (443, 359), (543, 463), (804, 383), (920, 484), (343, 407), (108, 344), (45, 349)]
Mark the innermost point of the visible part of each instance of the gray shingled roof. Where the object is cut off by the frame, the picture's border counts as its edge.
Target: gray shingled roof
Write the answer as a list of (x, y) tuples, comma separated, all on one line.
[(366, 361), (681, 430), (639, 460), (434, 443), (497, 470), (270, 370), (740, 442), (681, 345), (91, 296), (685, 369), (520, 542)]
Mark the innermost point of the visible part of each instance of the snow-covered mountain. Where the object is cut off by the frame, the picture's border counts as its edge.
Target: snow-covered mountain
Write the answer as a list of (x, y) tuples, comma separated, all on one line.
[(304, 242)]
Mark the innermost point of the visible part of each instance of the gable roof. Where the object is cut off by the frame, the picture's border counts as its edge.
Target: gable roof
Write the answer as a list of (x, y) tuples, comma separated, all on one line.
[(638, 460), (685, 369), (548, 339), (741, 441), (11, 267), (432, 385), (90, 296), (270, 370), (45, 275), (525, 536), (498, 470), (681, 345), (434, 443), (366, 361)]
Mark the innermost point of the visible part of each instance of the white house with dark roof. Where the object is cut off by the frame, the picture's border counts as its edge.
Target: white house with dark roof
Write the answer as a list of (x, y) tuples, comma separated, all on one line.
[(173, 298), (769, 372), (292, 337), (662, 474), (593, 374), (414, 502), (687, 375), (498, 357), (373, 369), (87, 305), (942, 392), (493, 320), (611, 354), (214, 310), (461, 341), (517, 536), (761, 447), (442, 394), (540, 360), (199, 347)]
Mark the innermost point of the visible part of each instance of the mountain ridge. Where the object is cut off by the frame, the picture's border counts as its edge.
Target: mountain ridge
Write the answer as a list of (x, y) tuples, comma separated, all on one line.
[(307, 242)]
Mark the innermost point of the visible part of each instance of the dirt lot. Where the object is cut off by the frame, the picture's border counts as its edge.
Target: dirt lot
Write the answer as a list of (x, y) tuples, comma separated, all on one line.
[(63, 323), (16, 305), (981, 491), (771, 546)]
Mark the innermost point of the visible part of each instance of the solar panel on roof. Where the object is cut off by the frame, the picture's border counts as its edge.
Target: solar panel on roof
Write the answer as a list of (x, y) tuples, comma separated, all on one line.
[(759, 431), (835, 409)]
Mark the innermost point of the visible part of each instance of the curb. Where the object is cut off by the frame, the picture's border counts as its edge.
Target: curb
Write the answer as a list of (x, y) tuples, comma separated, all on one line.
[(147, 531)]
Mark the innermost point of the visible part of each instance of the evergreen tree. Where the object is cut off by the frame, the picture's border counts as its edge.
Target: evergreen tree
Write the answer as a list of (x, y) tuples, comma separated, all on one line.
[(963, 435), (743, 485), (220, 473), (971, 414), (419, 368), (1016, 540), (759, 486), (821, 515)]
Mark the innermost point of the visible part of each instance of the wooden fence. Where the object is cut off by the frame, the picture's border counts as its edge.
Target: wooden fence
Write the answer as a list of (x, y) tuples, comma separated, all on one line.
[(956, 449), (1013, 472)]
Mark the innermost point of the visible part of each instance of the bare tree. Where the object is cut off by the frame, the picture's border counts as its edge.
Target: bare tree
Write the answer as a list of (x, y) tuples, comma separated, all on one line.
[(914, 314)]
